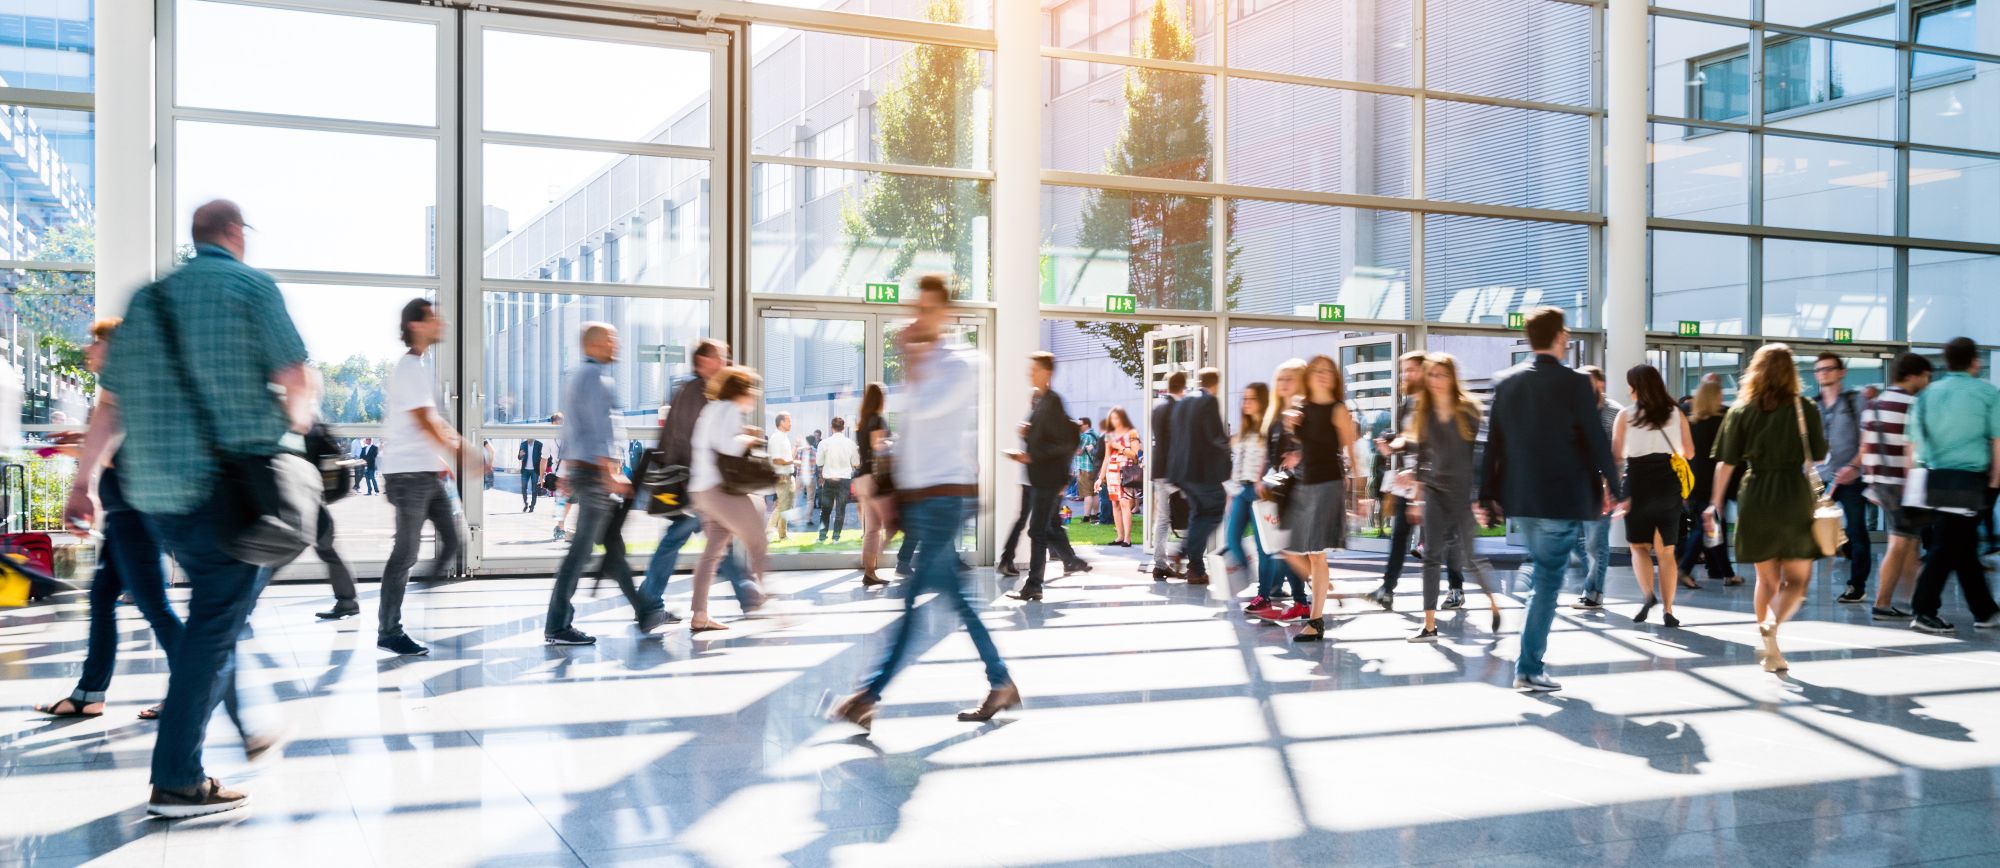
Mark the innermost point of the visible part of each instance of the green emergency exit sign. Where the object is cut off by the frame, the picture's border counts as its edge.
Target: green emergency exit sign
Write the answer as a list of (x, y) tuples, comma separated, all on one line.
[(1121, 304), (885, 293), (1690, 329), (1517, 320), (1333, 313), (1841, 336)]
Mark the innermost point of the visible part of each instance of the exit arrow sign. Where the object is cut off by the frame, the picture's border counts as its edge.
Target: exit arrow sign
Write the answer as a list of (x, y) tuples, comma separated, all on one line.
[(1333, 313), (885, 293)]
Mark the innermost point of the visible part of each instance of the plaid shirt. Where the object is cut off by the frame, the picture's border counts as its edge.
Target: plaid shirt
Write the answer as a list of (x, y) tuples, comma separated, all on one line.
[(235, 334)]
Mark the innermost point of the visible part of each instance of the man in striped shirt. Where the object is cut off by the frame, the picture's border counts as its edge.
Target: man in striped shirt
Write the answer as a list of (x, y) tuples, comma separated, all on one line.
[(1885, 460)]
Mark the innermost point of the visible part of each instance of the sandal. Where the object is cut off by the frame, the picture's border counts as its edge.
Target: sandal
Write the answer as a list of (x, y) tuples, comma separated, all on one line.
[(76, 709), (150, 713)]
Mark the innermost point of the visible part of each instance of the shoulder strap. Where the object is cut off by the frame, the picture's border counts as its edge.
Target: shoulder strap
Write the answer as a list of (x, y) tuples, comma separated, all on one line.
[(1805, 445)]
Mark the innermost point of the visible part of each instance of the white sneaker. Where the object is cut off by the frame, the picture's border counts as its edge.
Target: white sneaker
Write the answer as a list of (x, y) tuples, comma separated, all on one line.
[(1992, 622), (1536, 683)]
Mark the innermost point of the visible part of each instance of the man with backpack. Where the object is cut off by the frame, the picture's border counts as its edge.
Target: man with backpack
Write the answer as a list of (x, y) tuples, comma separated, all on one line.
[(676, 450), (1840, 418)]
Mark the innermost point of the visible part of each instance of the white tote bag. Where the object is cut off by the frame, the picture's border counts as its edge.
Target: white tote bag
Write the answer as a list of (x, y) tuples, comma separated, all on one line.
[(1271, 534)]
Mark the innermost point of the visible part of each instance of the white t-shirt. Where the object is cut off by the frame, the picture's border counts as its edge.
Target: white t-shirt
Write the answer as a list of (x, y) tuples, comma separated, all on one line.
[(837, 456), (781, 447), (405, 446), (715, 430), (1651, 441)]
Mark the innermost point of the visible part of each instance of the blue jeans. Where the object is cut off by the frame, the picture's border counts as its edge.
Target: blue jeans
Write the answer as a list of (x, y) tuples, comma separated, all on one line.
[(1593, 545), (599, 518), (1206, 502), (203, 662), (935, 523), (1860, 550), (1549, 543), (130, 563), (1104, 503), (1240, 517), (661, 567)]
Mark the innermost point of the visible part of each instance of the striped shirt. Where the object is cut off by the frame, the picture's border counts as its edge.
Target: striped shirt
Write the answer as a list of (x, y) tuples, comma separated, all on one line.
[(1883, 438)]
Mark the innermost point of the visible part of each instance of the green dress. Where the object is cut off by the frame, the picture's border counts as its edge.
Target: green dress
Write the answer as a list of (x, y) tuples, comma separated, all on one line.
[(1775, 505)]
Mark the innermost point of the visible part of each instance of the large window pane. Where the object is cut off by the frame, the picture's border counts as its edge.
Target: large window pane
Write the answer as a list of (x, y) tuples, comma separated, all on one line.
[(875, 227), (532, 343), (1478, 269), (49, 46), (977, 13), (1318, 138), (919, 105), (1703, 278), (353, 338), (1147, 28), (1506, 156), (595, 217), (1955, 102), (1521, 49), (1309, 37), (1731, 8), (1700, 174), (1818, 13), (1287, 259), (1163, 133), (47, 187), (594, 88), (321, 201), (1830, 86), (1951, 294), (1954, 197), (1811, 288), (1954, 25), (1824, 185), (1701, 70), (1107, 242), (45, 317), (287, 61)]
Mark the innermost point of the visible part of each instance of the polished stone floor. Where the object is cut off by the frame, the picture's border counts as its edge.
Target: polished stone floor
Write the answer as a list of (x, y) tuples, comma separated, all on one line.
[(1160, 729)]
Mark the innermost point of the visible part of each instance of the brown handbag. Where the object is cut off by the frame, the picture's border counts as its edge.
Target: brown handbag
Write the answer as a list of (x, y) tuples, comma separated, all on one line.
[(1827, 517)]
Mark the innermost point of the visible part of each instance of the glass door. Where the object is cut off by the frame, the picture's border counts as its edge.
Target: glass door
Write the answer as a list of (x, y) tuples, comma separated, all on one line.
[(588, 156)]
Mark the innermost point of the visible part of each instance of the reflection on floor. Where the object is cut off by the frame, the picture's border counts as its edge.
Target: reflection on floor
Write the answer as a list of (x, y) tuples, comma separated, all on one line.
[(1160, 729)]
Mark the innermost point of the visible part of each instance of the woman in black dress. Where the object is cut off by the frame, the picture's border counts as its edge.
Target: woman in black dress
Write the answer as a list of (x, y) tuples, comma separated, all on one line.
[(1316, 516), (1705, 422)]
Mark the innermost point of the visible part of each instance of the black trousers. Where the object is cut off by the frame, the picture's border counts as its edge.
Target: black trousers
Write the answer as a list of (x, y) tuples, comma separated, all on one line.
[(1013, 542), (834, 495), (1955, 550), (1045, 531), (1400, 530)]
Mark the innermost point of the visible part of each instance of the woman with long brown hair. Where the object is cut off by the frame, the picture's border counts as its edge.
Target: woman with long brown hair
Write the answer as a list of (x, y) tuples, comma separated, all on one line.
[(1121, 448), (1445, 427), (1316, 515), (1246, 453), (871, 432), (733, 394), (1280, 450), (1646, 436), (1774, 437)]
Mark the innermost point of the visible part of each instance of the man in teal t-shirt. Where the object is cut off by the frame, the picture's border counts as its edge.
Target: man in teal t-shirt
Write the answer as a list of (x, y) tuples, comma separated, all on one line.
[(1956, 426)]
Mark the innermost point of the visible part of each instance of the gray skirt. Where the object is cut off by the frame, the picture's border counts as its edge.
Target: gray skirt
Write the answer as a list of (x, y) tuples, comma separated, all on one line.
[(1316, 517)]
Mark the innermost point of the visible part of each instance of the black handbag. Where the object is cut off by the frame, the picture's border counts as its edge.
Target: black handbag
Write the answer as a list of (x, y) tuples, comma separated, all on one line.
[(336, 470), (270, 503), (1279, 484), (749, 473), (883, 469), (662, 487), (1957, 491)]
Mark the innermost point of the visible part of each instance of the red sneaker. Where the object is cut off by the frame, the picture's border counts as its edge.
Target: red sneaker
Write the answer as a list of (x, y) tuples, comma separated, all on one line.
[(1256, 603), (1292, 614), (1269, 611)]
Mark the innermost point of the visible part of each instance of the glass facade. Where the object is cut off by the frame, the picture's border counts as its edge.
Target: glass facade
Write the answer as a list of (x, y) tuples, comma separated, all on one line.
[(1875, 142)]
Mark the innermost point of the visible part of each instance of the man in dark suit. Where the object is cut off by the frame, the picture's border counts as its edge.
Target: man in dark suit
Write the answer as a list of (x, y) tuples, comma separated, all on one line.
[(372, 454), (1198, 465), (1159, 506), (1048, 442), (531, 466), (1548, 469)]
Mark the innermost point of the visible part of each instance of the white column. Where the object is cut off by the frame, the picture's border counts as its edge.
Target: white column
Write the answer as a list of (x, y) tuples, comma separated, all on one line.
[(1625, 74), (1017, 217), (124, 153)]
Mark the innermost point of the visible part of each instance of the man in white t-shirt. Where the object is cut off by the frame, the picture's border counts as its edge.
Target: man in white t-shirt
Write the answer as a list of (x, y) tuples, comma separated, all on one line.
[(782, 459), (415, 455), (838, 456)]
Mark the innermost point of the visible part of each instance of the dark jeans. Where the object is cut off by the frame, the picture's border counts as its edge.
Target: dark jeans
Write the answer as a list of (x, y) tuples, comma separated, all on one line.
[(417, 498), (599, 518), (368, 476), (1860, 550), (1045, 532), (834, 495), (1013, 542), (935, 523), (1400, 531), (337, 573), (1695, 549), (531, 489), (1955, 550), (1104, 503), (668, 553), (1206, 502), (130, 563), (202, 663), (906, 554)]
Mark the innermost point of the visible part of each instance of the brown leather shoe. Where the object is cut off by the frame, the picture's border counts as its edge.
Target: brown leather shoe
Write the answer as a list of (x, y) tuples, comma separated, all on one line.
[(859, 710), (1197, 578), (997, 700)]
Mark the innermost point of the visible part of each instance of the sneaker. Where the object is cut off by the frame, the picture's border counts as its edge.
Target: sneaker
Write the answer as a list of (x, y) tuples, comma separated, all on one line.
[(339, 612), (208, 798), (1851, 595), (1454, 599), (569, 636), (1889, 613), (651, 622), (1268, 612), (1383, 597), (1257, 602), (1991, 622), (1587, 601), (401, 645), (1292, 614), (1536, 683), (1932, 624), (1430, 635)]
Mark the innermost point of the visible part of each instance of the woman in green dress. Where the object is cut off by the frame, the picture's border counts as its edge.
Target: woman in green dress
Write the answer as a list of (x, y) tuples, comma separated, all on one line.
[(1775, 437)]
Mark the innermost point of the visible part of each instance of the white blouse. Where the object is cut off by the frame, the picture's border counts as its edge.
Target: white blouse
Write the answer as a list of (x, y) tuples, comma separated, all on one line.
[(715, 430), (1640, 440)]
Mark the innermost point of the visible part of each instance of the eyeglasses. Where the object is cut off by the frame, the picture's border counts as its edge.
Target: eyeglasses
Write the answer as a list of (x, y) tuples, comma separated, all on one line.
[(1826, 369)]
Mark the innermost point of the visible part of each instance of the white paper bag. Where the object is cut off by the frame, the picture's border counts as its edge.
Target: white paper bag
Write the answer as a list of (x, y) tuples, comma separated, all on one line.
[(1271, 534)]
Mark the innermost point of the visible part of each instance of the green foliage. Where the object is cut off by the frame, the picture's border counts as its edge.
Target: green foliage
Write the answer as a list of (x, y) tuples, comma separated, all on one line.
[(352, 390), (48, 490), (924, 119), (1165, 136)]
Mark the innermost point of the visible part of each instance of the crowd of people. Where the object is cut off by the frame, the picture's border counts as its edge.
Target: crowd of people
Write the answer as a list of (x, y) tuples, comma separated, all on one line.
[(207, 373)]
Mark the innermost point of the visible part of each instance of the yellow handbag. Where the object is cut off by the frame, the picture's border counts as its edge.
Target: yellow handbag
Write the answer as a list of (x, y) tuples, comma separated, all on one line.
[(14, 585), (1681, 468)]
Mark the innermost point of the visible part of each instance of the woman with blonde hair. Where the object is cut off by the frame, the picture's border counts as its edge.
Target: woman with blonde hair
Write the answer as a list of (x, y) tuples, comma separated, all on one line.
[(719, 431), (1705, 422), (1280, 450), (1775, 438), (1445, 427), (1316, 514)]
